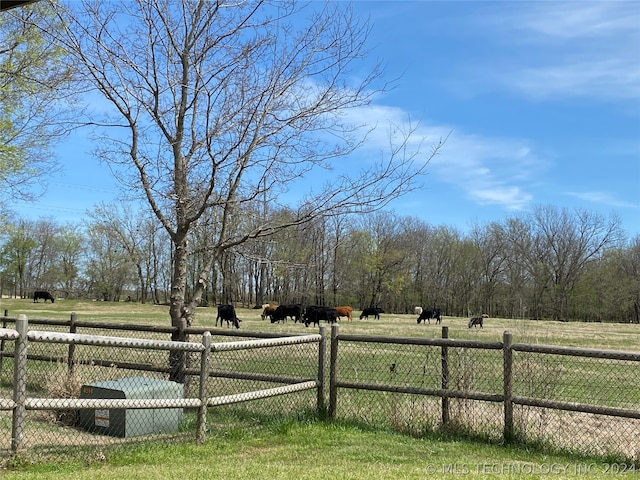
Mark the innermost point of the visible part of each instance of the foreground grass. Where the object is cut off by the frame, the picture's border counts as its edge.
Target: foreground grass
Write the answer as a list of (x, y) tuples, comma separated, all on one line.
[(313, 449)]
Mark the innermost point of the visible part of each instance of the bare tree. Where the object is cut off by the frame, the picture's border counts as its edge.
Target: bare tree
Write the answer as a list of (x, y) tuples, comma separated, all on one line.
[(133, 232), (564, 242), (220, 103), (491, 248)]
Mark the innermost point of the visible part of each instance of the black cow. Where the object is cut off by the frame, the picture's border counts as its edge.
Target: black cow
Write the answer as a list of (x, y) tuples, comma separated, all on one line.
[(283, 311), (428, 314), (475, 321), (228, 313), (42, 294), (313, 314), (375, 311)]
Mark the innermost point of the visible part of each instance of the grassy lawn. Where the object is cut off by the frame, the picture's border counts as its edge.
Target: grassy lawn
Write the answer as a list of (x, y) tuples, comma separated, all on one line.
[(286, 449)]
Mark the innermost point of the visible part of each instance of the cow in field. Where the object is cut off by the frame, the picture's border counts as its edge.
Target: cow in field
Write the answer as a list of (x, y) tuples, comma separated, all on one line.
[(375, 311), (313, 314), (283, 311), (428, 314), (268, 311), (345, 311), (476, 321), (228, 313), (42, 294)]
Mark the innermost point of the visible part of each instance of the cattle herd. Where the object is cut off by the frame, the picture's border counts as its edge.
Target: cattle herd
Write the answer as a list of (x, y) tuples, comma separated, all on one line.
[(313, 314), (308, 315)]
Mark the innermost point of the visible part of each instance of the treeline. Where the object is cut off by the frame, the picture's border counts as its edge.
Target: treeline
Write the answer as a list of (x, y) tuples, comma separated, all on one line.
[(549, 263)]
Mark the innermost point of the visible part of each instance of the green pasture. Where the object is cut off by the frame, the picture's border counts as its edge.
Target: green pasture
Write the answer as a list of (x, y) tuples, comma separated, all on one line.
[(609, 336), (557, 377), (259, 445)]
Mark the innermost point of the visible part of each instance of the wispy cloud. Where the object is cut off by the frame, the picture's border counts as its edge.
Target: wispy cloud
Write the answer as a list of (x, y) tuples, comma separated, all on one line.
[(566, 49), (581, 19), (486, 170), (603, 198), (490, 170)]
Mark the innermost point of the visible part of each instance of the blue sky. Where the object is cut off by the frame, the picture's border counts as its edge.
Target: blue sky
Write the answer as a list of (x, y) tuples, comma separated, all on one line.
[(540, 102)]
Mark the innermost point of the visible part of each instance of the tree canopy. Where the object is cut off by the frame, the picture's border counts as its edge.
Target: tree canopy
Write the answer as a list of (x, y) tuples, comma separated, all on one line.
[(33, 87), (221, 105)]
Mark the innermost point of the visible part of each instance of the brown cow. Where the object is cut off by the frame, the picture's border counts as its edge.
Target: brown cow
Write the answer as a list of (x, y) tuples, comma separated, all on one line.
[(268, 311), (345, 311)]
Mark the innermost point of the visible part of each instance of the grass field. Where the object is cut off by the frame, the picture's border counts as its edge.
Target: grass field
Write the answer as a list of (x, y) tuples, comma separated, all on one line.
[(317, 450), (609, 336), (258, 446)]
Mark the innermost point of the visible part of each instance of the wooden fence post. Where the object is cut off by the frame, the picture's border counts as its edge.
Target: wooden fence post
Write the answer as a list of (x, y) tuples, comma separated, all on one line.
[(2, 342), (205, 362), (445, 377), (71, 360), (322, 346), (19, 384), (333, 371), (507, 341)]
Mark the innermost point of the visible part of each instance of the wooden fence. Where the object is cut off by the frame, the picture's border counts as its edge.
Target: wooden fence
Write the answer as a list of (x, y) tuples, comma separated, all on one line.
[(506, 397), (501, 393), (20, 403)]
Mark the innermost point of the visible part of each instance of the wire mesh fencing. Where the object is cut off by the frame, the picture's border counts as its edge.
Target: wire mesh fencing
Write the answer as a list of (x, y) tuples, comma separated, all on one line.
[(81, 390), (575, 399), (588, 400), (417, 386)]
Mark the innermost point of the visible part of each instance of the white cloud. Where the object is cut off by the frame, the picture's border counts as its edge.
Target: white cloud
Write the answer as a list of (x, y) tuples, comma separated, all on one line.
[(581, 19), (486, 170), (565, 49), (513, 198), (603, 198), (612, 79), (490, 170)]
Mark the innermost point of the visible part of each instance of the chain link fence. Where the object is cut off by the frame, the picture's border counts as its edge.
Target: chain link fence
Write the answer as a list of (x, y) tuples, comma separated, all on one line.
[(580, 400), (88, 390), (576, 399), (587, 403)]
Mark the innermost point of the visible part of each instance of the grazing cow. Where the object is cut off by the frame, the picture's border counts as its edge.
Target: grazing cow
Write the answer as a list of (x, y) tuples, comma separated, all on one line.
[(228, 313), (268, 311), (427, 315), (476, 321), (345, 311), (417, 310), (375, 311), (313, 314), (42, 294), (283, 311)]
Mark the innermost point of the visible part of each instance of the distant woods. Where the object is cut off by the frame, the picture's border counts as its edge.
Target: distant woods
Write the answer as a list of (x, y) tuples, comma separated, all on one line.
[(550, 263)]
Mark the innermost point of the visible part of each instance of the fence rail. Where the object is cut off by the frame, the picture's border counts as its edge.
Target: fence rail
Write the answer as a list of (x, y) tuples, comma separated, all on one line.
[(20, 404), (519, 390)]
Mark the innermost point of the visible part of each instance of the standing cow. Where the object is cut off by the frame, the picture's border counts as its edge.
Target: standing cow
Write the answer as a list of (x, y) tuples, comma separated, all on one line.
[(427, 315), (42, 294), (476, 322), (228, 313), (375, 311), (283, 311), (314, 313), (345, 311), (268, 311)]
